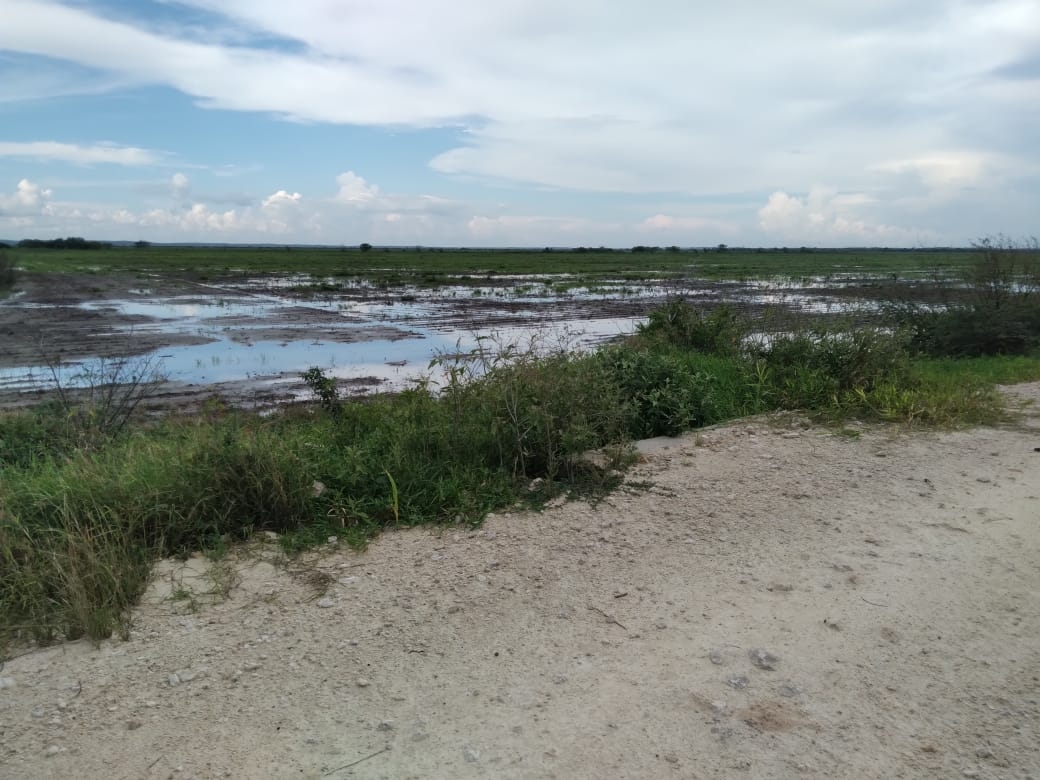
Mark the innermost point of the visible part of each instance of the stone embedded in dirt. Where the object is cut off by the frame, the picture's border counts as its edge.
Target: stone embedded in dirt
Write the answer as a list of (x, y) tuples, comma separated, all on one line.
[(53, 750), (386, 725), (133, 725), (7, 682), (739, 681), (181, 676), (362, 682), (790, 690), (326, 603), (470, 755), (763, 659), (717, 657)]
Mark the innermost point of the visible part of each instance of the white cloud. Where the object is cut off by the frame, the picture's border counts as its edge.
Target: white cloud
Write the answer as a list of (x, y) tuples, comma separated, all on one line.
[(666, 95), (942, 170), (180, 186), (28, 199), (826, 217), (354, 189), (74, 153)]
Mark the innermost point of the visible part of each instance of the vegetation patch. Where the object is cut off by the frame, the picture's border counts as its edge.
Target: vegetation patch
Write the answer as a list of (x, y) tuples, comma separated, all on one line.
[(91, 493)]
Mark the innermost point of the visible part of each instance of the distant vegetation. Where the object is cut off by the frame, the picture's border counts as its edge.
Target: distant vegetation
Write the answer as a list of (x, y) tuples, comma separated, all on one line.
[(7, 270), (63, 243), (85, 509)]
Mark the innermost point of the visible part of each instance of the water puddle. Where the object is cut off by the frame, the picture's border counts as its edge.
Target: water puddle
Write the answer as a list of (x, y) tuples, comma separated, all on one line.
[(270, 330)]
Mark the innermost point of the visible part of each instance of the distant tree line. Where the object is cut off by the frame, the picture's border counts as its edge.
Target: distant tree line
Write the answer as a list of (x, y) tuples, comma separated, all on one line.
[(72, 242)]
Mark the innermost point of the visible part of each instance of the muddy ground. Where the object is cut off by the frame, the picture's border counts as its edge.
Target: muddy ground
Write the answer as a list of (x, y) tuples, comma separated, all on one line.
[(46, 323), (64, 319), (765, 599)]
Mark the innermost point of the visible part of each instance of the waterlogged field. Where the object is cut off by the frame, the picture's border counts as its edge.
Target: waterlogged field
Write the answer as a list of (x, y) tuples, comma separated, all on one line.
[(246, 323)]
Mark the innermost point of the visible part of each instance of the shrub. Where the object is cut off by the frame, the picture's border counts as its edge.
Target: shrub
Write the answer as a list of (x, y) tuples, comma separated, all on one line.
[(679, 324), (1001, 314)]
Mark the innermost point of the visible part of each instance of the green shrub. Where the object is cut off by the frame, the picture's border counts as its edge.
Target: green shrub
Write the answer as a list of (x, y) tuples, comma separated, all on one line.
[(1001, 313), (678, 323)]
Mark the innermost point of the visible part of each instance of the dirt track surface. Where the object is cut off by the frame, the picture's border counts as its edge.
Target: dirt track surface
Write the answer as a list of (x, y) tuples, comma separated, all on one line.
[(894, 577)]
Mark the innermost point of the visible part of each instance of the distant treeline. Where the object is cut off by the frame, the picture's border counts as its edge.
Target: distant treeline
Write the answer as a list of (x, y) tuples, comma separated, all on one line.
[(72, 242)]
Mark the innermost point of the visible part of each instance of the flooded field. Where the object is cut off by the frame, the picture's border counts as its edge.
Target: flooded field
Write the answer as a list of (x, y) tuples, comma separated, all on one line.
[(249, 339)]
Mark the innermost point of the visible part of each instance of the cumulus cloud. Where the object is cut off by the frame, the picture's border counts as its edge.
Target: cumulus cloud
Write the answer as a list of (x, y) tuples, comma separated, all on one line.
[(28, 199), (827, 217), (180, 186), (74, 153), (354, 189)]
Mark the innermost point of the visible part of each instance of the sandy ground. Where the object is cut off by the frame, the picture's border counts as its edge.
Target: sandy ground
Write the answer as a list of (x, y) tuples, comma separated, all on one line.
[(765, 600)]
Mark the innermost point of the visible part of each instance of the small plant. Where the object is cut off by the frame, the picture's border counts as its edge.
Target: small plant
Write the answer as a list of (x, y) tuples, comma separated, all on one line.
[(98, 398), (323, 387)]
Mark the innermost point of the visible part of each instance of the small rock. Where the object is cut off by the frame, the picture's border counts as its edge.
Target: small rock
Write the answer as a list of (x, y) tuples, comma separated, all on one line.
[(317, 488), (717, 657), (660, 625), (719, 709), (362, 682), (173, 680), (470, 755), (740, 682), (970, 772), (983, 752), (7, 682), (133, 725), (38, 712), (763, 659), (326, 603), (271, 536), (333, 540), (53, 750), (789, 690), (386, 725)]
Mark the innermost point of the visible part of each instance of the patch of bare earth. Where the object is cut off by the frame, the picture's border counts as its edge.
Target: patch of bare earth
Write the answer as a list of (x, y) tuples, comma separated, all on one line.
[(779, 602)]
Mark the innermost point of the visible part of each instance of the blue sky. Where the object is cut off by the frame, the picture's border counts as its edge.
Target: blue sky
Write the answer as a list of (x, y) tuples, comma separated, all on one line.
[(521, 122)]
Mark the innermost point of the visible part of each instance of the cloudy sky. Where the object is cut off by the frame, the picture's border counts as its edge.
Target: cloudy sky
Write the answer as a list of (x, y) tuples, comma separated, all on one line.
[(521, 122)]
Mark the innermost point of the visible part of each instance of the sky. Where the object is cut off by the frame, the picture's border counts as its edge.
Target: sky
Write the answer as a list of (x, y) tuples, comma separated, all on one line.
[(521, 122)]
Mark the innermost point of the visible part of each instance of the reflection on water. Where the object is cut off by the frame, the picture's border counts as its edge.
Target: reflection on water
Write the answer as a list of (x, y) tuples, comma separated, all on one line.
[(239, 322)]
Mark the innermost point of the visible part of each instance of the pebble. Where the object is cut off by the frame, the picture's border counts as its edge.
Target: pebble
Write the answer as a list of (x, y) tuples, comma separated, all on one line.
[(763, 659), (53, 750), (470, 755), (386, 725), (362, 682), (717, 657), (7, 682), (740, 682), (326, 603), (133, 725)]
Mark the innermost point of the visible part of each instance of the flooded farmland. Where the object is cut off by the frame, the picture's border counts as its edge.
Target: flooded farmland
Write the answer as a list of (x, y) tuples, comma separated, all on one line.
[(248, 339)]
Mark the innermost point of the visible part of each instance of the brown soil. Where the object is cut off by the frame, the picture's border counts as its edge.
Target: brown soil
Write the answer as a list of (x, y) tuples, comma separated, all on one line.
[(891, 580)]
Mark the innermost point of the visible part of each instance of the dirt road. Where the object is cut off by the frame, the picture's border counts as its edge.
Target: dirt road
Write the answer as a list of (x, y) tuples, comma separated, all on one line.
[(765, 601)]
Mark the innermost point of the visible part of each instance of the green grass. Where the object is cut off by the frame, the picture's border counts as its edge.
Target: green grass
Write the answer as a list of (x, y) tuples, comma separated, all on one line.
[(431, 267)]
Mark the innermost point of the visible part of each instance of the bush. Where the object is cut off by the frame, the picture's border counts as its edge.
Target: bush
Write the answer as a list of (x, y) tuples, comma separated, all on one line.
[(679, 324), (1001, 315)]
